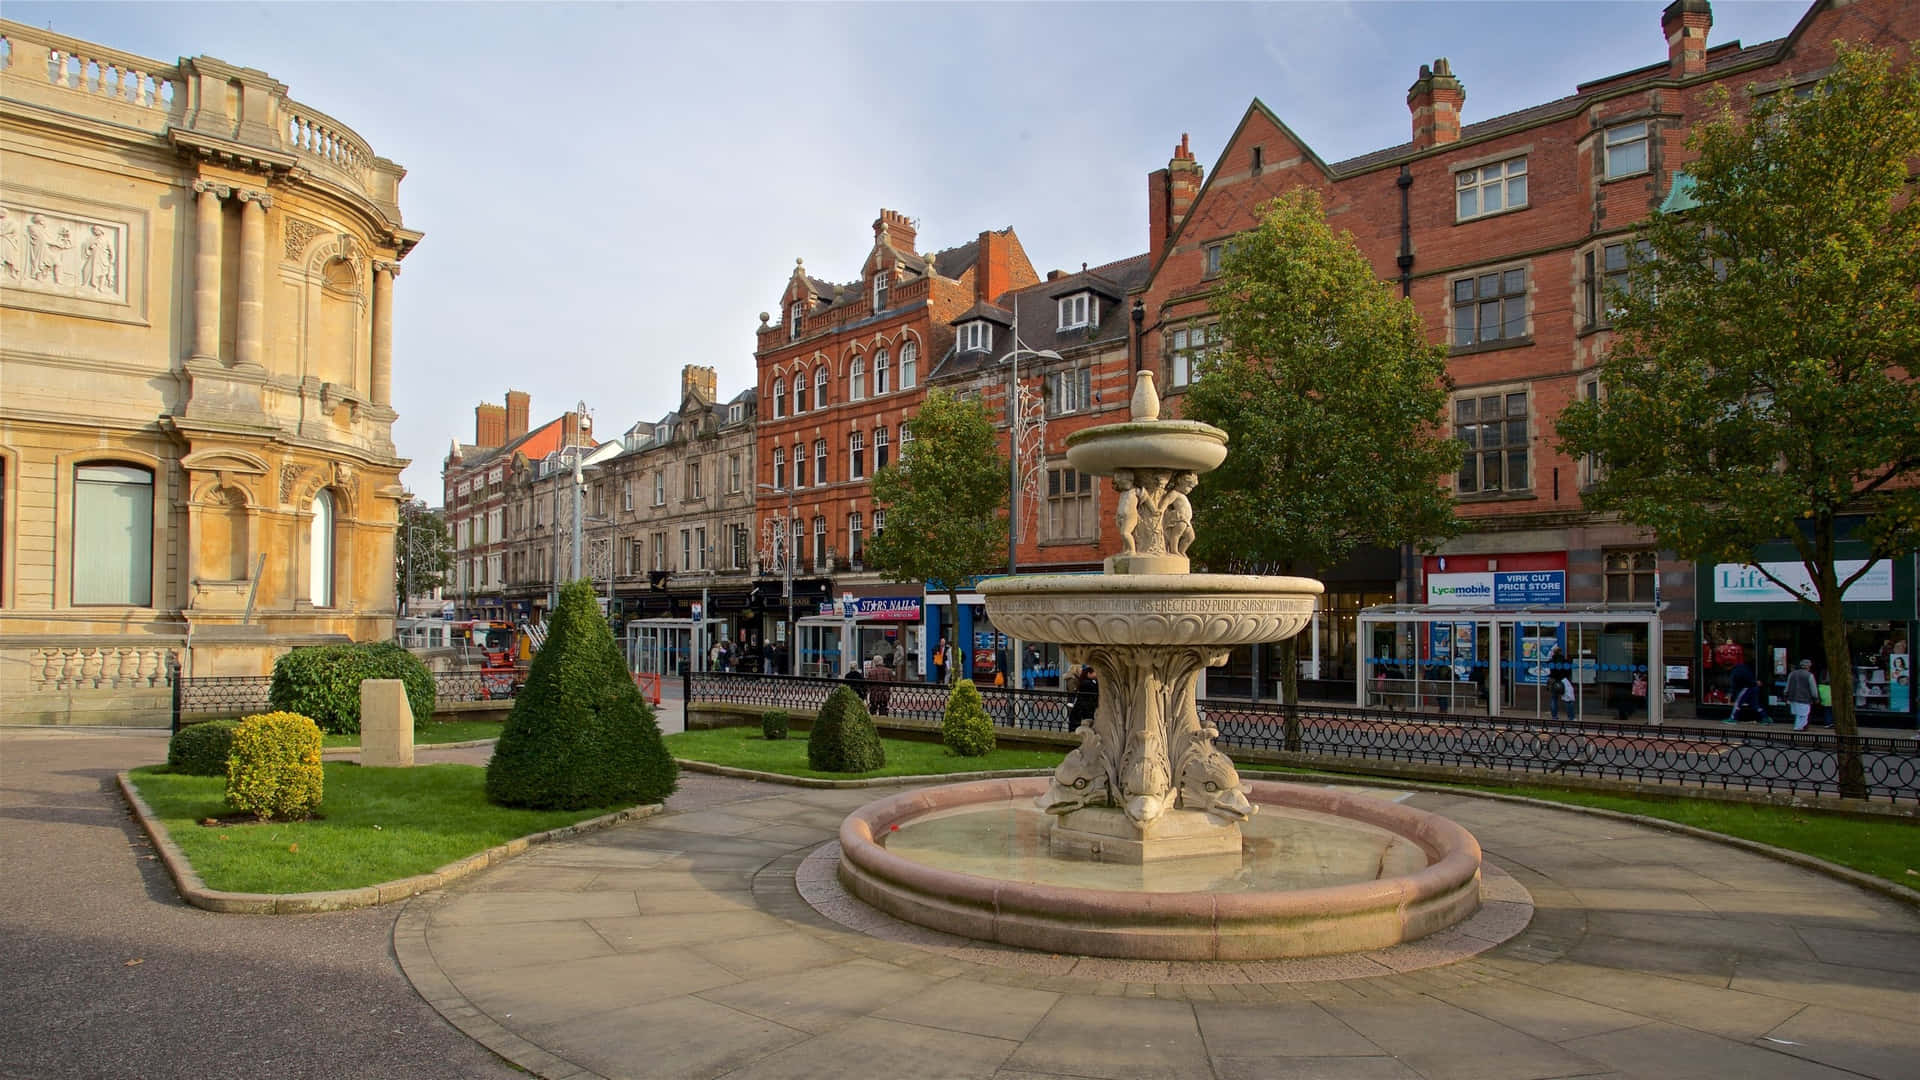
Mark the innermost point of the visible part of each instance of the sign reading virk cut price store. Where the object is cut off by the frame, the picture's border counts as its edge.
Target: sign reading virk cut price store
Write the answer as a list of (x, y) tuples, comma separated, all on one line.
[(1499, 588)]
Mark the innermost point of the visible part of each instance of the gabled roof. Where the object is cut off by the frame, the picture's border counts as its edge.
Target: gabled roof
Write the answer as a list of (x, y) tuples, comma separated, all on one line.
[(1038, 317), (983, 310)]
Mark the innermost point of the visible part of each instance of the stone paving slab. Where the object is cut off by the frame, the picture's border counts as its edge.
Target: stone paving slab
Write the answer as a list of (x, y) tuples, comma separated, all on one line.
[(1643, 955)]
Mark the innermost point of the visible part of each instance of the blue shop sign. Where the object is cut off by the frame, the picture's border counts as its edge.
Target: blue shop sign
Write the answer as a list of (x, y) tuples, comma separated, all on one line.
[(1516, 588)]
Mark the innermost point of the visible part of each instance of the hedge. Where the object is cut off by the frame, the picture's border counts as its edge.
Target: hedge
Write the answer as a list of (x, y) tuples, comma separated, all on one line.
[(323, 682)]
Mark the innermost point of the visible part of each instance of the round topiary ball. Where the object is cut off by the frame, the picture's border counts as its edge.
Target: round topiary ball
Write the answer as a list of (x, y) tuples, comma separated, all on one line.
[(843, 738), (202, 749)]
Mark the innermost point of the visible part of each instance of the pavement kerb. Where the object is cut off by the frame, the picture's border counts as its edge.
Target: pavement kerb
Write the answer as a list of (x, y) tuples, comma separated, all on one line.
[(869, 782), (194, 891)]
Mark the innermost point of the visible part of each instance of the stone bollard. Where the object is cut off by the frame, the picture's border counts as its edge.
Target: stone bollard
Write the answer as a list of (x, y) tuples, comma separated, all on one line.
[(386, 724)]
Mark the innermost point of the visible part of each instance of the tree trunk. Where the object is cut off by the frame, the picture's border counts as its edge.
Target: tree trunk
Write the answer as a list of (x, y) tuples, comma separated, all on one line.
[(1290, 692), (955, 656), (1849, 768)]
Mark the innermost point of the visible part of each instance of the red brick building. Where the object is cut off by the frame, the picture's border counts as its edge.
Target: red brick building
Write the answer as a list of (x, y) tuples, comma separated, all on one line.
[(840, 373), (1504, 232)]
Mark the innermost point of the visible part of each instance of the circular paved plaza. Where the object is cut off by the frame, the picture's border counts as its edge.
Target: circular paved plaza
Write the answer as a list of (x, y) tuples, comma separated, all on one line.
[(682, 946)]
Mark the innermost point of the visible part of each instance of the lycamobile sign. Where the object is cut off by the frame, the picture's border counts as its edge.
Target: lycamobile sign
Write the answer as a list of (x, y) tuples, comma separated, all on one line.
[(1512, 588)]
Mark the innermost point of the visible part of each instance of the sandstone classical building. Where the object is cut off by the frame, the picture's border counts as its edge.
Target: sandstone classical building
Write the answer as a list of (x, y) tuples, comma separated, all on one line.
[(196, 310)]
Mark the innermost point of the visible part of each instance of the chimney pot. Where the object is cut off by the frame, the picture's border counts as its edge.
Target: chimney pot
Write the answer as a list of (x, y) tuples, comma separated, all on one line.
[(1685, 24), (1435, 100)]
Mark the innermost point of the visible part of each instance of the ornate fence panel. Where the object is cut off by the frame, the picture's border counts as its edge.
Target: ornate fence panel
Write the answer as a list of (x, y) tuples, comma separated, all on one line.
[(1782, 762), (248, 693)]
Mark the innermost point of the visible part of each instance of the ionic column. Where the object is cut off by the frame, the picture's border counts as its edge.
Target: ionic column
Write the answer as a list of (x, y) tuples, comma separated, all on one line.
[(206, 270), (383, 275), (251, 350)]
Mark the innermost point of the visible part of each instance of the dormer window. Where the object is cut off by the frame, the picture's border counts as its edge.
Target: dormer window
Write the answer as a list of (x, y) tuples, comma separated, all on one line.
[(662, 434), (880, 291), (736, 413), (1077, 310), (976, 336), (793, 319)]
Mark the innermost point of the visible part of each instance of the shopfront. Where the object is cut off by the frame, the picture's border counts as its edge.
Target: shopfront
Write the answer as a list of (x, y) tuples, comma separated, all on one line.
[(1748, 618), (988, 652), (859, 629)]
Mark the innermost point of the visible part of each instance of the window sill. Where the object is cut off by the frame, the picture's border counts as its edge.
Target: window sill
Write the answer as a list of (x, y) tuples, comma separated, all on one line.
[(1605, 180), (1490, 214), (1592, 328), (1495, 345), (1495, 497)]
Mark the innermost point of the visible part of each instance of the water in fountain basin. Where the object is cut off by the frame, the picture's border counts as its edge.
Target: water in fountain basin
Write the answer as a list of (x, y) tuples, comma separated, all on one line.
[(1282, 849)]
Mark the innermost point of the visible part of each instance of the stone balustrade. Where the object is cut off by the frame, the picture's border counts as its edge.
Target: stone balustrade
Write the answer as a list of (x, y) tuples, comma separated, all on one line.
[(319, 137), (97, 667)]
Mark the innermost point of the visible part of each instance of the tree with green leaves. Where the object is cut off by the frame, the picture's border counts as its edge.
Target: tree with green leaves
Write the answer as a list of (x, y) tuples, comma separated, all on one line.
[(1333, 400), (422, 552), (945, 500), (1760, 384)]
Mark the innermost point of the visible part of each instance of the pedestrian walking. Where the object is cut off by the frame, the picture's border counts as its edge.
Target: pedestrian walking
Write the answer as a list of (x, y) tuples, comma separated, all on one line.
[(940, 661), (1746, 690), (880, 678), (856, 680), (1802, 692), (1086, 699), (1567, 696)]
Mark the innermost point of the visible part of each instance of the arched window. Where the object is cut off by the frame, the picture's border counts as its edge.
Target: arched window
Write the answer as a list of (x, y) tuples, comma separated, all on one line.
[(909, 365), (820, 386), (799, 465), (881, 371), (799, 392), (819, 543), (779, 468), (113, 535), (320, 551), (857, 378), (779, 398)]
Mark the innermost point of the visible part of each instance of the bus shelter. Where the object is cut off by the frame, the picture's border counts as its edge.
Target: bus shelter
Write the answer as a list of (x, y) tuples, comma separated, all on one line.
[(1499, 660), (660, 646)]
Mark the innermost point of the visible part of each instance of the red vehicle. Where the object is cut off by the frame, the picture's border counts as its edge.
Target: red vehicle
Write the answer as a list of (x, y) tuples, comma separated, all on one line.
[(488, 640)]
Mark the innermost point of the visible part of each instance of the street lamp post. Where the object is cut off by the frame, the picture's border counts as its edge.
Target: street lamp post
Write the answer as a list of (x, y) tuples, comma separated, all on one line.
[(1013, 472), (786, 577)]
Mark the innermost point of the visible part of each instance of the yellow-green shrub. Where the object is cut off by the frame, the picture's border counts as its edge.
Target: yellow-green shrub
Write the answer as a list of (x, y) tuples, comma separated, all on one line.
[(274, 769)]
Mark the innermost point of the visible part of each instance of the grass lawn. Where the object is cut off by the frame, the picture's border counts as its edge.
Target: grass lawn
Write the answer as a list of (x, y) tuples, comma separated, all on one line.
[(437, 732), (377, 825), (1886, 849), (746, 748)]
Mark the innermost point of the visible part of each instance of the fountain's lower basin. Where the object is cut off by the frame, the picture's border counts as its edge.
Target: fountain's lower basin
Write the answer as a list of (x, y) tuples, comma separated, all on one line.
[(1425, 875)]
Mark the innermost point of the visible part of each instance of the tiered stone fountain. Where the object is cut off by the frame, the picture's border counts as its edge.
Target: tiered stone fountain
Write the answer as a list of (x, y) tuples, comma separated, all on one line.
[(1146, 788)]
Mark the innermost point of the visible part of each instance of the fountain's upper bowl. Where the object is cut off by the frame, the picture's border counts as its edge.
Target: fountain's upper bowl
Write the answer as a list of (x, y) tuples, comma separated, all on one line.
[(1217, 610), (1180, 445)]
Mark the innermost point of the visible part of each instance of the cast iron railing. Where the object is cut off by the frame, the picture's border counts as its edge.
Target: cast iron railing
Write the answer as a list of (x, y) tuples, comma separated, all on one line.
[(1782, 761)]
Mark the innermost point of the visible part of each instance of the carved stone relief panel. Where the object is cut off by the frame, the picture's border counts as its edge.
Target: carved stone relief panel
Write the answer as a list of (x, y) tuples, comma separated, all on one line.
[(63, 254), (299, 233)]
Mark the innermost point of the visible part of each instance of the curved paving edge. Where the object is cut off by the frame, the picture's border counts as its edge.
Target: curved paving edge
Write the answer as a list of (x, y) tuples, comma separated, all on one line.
[(194, 891), (867, 782)]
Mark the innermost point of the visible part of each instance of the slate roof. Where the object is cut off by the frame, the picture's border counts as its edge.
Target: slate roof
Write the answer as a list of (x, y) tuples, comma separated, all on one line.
[(1719, 59), (1039, 316)]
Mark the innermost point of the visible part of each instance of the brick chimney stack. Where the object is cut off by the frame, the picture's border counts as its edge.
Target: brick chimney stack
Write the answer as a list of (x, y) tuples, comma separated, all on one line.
[(1170, 195), (489, 426), (896, 229), (1686, 22), (993, 273), (695, 379), (1435, 99), (517, 403)]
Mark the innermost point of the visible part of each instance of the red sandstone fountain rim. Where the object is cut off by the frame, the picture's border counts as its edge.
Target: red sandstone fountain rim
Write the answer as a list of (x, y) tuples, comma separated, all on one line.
[(1191, 925), (1197, 587)]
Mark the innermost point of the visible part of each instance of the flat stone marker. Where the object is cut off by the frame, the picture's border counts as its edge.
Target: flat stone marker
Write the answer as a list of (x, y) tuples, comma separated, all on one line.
[(386, 724)]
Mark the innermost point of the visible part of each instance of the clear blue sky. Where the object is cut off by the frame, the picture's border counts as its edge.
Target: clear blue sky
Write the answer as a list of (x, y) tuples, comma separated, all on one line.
[(612, 190)]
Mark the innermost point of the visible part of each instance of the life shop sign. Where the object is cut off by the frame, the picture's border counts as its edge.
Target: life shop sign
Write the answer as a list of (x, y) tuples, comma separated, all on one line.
[(1739, 583), (1498, 588)]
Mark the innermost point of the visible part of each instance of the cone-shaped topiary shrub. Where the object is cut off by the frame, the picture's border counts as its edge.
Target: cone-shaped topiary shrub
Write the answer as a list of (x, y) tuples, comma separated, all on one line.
[(202, 749), (273, 770), (843, 738), (773, 724), (579, 734), (323, 682), (966, 728)]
